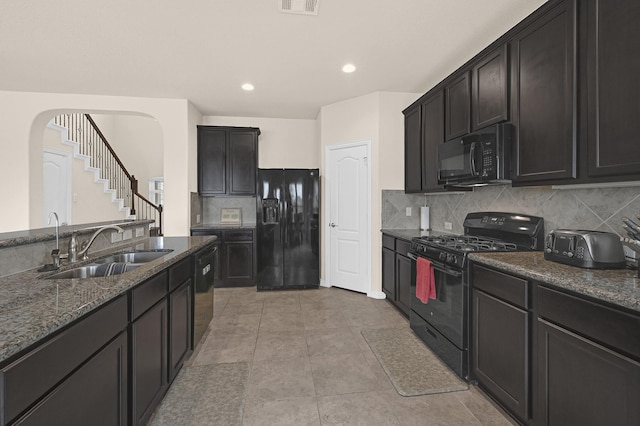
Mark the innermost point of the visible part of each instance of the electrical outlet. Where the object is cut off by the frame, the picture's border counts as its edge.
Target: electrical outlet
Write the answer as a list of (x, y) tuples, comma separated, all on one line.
[(139, 232), (408, 211), (447, 225), (116, 237), (126, 235), (198, 218)]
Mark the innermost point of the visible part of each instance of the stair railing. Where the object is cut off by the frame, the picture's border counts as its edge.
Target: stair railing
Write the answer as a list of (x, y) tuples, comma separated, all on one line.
[(83, 130)]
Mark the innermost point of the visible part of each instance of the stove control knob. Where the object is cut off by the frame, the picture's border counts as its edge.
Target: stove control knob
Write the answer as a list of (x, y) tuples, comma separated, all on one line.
[(442, 256), (454, 259)]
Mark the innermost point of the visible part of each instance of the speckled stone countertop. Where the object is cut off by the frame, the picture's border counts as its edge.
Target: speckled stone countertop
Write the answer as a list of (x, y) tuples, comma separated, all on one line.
[(17, 238), (408, 234), (214, 226), (31, 307), (617, 286)]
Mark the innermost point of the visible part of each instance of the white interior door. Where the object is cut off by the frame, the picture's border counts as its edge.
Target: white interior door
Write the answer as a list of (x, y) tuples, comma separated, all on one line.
[(56, 186), (349, 199)]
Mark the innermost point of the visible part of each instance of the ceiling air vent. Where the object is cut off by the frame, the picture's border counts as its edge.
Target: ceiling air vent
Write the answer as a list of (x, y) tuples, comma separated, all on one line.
[(301, 7)]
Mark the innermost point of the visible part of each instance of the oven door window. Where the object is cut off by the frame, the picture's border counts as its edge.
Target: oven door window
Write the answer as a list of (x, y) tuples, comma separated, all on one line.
[(446, 312)]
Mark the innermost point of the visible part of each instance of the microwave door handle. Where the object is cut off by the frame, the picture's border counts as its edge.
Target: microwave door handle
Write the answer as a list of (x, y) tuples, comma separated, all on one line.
[(472, 158)]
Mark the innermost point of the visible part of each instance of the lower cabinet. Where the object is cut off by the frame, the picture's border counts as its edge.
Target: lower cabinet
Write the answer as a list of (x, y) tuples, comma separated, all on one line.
[(553, 358), (500, 338), (397, 272), (236, 258), (79, 401), (180, 328)]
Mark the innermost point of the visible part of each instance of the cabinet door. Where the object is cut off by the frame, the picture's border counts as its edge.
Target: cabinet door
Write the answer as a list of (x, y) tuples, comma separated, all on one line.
[(500, 351), (613, 40), (95, 394), (389, 273), (239, 263), (404, 278), (543, 97), (242, 164), (212, 163), (412, 151), (180, 325), (583, 383), (458, 107), (432, 136), (490, 101), (149, 362)]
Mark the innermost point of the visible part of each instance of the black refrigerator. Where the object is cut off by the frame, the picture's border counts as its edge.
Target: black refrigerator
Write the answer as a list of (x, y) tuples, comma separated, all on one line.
[(288, 215)]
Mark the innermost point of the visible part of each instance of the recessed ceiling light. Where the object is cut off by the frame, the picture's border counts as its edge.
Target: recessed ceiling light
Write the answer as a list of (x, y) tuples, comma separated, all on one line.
[(248, 87), (349, 68)]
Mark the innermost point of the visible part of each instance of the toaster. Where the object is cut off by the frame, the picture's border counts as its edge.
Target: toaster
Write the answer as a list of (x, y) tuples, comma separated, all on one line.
[(585, 249)]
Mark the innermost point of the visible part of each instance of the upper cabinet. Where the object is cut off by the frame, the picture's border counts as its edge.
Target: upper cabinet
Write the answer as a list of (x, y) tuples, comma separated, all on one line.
[(490, 89), (458, 106), (423, 131), (227, 160), (613, 86), (544, 98)]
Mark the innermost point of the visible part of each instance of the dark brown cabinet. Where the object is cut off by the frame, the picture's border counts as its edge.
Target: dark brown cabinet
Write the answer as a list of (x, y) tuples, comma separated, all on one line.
[(227, 160), (149, 346), (181, 300), (235, 259), (397, 272), (500, 338), (412, 150), (458, 106), (588, 362), (613, 43), (490, 89), (424, 131), (543, 64)]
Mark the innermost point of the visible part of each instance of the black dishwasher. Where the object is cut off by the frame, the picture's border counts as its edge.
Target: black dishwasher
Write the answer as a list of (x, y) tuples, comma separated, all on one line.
[(203, 300)]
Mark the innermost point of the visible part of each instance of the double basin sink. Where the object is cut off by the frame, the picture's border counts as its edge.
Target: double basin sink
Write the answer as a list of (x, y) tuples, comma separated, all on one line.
[(113, 264)]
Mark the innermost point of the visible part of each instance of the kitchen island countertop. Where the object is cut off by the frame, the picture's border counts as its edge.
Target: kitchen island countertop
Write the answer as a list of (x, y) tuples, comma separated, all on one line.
[(31, 307), (619, 287)]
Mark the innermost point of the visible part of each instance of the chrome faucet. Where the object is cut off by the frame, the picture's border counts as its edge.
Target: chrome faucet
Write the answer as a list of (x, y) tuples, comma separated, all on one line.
[(73, 252), (55, 253)]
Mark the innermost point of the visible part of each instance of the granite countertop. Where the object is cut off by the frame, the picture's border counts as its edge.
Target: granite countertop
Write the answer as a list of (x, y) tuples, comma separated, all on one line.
[(17, 238), (620, 287), (408, 234), (31, 307), (207, 226)]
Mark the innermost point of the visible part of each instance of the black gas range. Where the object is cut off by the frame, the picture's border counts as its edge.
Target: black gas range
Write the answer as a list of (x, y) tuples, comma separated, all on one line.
[(443, 323)]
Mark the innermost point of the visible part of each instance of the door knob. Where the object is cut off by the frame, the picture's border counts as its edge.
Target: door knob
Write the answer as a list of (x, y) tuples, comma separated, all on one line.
[(333, 225)]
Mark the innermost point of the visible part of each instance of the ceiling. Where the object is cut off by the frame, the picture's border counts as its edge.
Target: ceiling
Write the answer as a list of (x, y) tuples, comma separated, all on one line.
[(204, 50)]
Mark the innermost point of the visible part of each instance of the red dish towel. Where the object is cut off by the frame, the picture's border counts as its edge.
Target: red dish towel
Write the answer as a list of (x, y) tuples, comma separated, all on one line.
[(425, 281)]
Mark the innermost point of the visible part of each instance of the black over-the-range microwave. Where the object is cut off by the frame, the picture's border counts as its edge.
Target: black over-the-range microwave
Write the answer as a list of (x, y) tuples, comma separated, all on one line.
[(481, 157)]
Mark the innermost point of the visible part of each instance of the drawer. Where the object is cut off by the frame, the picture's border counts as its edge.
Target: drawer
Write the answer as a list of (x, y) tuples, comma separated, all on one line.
[(503, 286), (388, 242), (601, 323), (180, 272), (147, 294), (403, 247), (238, 235), (202, 232), (31, 376)]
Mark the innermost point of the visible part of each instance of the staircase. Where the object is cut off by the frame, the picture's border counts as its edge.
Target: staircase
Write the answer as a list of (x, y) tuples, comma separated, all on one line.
[(91, 146)]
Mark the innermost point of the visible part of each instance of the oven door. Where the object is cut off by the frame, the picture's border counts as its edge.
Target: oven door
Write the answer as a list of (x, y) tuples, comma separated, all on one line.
[(458, 160), (446, 313)]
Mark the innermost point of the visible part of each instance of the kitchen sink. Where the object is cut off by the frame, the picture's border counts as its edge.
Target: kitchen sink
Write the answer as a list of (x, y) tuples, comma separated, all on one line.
[(132, 257), (115, 264), (87, 271)]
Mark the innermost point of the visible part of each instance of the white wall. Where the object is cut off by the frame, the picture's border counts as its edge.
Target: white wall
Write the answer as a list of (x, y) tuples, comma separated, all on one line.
[(24, 115), (378, 118), (283, 143)]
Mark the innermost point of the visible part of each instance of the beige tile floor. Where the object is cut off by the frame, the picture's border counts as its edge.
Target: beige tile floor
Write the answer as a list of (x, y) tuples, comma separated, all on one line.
[(311, 366)]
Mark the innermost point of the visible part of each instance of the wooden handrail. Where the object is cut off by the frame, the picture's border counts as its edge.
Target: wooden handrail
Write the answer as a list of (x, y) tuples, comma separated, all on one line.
[(83, 130)]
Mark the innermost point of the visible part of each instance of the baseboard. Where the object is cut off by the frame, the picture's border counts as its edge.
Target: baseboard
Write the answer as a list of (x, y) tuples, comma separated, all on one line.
[(376, 295), (323, 283)]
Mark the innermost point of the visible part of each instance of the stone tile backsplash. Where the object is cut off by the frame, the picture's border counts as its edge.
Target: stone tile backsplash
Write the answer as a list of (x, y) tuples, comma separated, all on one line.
[(598, 209)]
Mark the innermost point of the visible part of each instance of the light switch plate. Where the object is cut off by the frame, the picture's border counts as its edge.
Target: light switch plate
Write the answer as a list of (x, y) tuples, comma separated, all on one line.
[(408, 211), (139, 232), (116, 237), (198, 218), (447, 225)]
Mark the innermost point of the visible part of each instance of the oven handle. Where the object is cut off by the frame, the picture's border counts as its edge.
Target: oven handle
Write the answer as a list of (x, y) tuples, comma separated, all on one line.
[(438, 266)]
